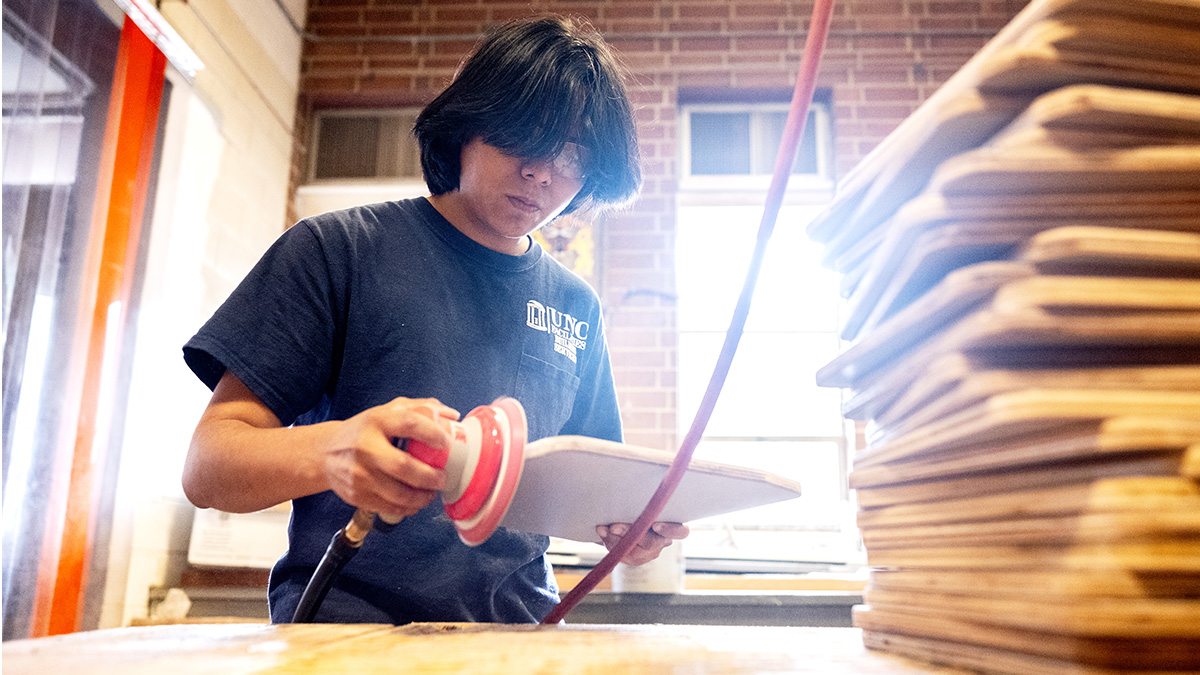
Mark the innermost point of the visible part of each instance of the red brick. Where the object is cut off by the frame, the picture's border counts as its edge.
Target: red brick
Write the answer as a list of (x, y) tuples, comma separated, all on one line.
[(760, 9), (376, 82), (408, 63), (640, 11), (970, 7), (698, 61), (716, 79), (388, 49), (758, 26), (684, 26), (628, 45), (887, 8), (321, 15), (382, 16), (441, 62), (955, 43), (878, 24), (771, 44), (836, 25), (890, 94), (707, 45), (634, 26), (759, 59), (749, 80), (718, 10), (946, 23)]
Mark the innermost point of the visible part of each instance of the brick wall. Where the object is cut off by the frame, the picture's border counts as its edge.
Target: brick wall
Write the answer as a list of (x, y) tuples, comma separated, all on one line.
[(882, 59)]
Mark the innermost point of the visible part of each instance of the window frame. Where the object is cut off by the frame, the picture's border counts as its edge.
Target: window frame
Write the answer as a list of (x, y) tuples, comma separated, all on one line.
[(820, 180)]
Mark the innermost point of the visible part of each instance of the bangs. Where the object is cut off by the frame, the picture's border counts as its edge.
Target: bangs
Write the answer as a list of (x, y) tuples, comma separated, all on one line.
[(536, 92), (529, 89)]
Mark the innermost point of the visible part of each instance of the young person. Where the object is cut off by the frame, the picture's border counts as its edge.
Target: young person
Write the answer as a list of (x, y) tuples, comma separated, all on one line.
[(353, 320)]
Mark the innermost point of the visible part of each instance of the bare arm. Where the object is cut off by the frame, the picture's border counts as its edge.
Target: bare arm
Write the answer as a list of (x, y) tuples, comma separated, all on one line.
[(241, 459)]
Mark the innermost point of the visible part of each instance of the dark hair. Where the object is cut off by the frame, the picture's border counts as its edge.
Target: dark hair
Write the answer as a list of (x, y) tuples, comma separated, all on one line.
[(529, 87)]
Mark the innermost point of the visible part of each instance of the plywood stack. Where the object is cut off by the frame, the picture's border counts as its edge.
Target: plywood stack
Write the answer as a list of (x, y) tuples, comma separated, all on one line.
[(1022, 264)]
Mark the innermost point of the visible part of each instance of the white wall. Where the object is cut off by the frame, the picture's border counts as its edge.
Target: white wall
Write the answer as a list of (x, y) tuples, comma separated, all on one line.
[(221, 200)]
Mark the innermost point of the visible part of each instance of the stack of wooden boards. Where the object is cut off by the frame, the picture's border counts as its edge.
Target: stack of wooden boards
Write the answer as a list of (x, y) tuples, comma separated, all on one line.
[(1021, 259)]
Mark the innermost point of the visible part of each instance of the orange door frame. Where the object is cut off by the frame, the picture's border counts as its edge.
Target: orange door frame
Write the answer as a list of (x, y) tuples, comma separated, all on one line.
[(119, 209)]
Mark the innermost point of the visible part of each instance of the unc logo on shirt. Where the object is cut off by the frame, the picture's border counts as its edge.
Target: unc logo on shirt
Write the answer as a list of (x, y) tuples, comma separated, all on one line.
[(570, 335)]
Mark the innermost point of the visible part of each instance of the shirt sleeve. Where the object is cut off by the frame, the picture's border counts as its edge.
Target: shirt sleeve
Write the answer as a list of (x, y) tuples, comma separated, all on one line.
[(279, 328)]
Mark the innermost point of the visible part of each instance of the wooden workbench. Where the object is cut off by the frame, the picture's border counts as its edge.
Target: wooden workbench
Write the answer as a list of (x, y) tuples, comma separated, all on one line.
[(232, 649)]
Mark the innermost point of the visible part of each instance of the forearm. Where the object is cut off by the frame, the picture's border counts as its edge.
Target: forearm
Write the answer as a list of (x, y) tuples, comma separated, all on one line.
[(242, 458), (236, 466)]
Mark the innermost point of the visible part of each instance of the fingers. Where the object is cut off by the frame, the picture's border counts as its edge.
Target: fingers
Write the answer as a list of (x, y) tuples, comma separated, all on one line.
[(367, 471), (424, 419), (659, 536), (365, 487), (393, 498), (389, 462), (671, 530)]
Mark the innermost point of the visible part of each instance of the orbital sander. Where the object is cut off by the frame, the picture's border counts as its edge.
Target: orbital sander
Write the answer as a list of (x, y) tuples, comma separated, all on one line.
[(483, 466)]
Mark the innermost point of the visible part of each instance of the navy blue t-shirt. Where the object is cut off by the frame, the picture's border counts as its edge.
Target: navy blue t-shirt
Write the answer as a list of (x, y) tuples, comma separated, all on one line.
[(350, 309)]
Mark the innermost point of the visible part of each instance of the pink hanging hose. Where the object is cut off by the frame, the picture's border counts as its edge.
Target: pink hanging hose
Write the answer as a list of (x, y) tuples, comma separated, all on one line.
[(793, 131)]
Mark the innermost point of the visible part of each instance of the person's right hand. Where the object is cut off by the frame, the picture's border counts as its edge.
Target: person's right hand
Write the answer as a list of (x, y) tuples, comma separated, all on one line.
[(367, 471)]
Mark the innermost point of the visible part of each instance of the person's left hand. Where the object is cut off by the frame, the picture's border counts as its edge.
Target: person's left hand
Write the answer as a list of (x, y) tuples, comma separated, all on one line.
[(658, 537)]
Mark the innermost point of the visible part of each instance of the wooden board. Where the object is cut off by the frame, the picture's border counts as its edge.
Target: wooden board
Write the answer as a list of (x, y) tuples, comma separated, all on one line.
[(930, 380), (913, 260), (949, 392), (1056, 463), (1017, 421), (1035, 585), (989, 649), (1144, 618), (1167, 557), (1033, 426), (571, 484), (1114, 251), (1095, 49), (1178, 523), (242, 649), (964, 290), (1035, 312), (1085, 466), (914, 266), (1089, 116), (974, 657), (1132, 494), (1034, 171)]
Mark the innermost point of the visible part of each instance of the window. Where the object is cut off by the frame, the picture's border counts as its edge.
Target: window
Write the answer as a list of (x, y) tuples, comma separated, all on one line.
[(363, 144), (729, 140), (359, 157), (771, 414)]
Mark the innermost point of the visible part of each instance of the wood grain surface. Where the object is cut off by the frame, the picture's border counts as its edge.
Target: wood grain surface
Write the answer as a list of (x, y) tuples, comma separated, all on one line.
[(243, 649)]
